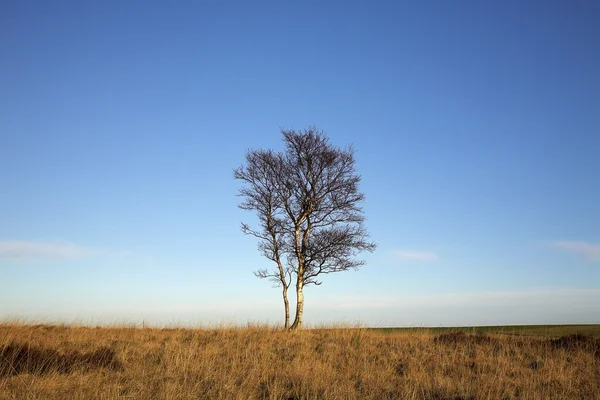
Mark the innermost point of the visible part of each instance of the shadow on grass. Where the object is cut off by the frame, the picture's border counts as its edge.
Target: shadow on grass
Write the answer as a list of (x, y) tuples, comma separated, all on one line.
[(18, 359), (461, 337), (575, 342)]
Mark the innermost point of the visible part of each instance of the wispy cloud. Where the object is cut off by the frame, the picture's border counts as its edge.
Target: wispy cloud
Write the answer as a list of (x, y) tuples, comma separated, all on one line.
[(590, 252), (27, 250), (534, 296), (522, 307), (403, 255)]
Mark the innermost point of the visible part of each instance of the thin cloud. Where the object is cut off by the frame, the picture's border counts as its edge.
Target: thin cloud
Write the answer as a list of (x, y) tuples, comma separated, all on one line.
[(514, 307), (24, 250), (535, 296), (402, 255), (590, 252)]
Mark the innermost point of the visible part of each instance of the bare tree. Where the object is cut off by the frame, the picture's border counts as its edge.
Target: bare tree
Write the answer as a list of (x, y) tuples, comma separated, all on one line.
[(309, 210), (261, 195)]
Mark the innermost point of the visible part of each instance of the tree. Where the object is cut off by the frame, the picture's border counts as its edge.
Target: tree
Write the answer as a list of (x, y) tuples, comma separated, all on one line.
[(309, 211)]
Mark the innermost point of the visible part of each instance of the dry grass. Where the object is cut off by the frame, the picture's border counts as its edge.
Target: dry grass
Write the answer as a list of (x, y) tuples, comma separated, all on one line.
[(60, 362)]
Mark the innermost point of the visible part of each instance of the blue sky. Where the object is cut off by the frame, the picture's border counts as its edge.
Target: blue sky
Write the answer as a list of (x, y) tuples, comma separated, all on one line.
[(476, 125)]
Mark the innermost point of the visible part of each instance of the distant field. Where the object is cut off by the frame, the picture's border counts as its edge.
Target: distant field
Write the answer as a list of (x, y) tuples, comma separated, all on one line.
[(74, 362), (550, 331)]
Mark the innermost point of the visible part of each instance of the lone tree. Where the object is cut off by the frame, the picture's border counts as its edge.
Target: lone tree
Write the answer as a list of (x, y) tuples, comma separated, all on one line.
[(309, 211)]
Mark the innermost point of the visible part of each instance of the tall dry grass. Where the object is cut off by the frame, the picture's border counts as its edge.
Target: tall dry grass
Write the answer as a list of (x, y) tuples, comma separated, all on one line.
[(70, 362)]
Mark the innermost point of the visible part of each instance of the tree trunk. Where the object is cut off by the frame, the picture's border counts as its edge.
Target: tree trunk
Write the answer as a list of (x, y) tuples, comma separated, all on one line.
[(287, 308), (299, 304)]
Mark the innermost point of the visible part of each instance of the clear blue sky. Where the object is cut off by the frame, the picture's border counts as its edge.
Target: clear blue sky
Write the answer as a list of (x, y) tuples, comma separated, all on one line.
[(476, 125)]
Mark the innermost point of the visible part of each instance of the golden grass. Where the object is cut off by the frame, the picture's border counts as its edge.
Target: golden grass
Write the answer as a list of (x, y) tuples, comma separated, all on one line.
[(266, 363)]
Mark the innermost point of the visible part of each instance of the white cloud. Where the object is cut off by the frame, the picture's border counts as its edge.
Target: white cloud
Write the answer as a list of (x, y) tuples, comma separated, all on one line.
[(590, 252), (402, 255), (541, 296), (535, 306), (24, 250), (527, 307)]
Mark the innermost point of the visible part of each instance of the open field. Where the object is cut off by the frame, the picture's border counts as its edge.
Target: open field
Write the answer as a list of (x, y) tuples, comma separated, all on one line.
[(549, 331), (60, 362)]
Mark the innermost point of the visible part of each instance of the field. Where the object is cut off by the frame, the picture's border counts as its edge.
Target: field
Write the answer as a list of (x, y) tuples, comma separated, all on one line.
[(548, 331), (254, 362)]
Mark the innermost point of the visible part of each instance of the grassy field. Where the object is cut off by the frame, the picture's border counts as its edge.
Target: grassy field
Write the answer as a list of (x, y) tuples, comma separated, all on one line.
[(71, 362), (549, 331)]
